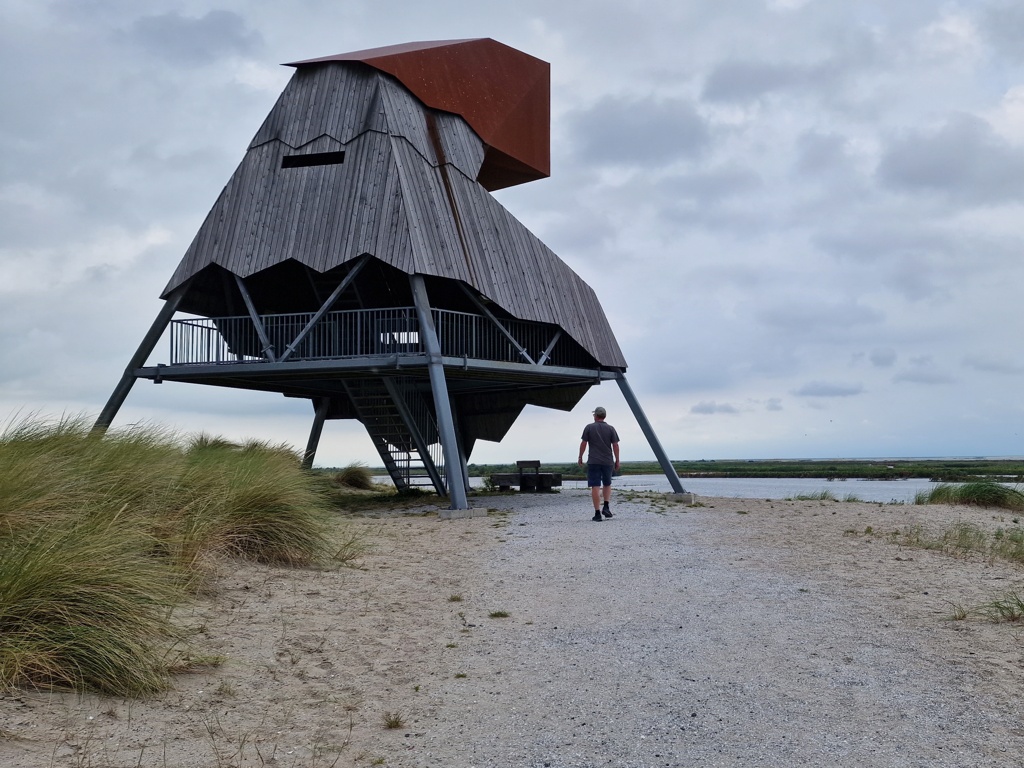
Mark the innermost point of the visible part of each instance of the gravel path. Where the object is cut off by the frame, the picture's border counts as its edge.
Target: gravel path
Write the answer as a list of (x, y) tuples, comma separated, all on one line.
[(711, 638)]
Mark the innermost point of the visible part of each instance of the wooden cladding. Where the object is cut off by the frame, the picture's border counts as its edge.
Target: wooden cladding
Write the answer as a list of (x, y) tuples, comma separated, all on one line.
[(390, 198)]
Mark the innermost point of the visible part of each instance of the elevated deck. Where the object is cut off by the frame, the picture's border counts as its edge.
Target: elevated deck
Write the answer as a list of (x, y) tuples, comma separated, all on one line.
[(295, 353)]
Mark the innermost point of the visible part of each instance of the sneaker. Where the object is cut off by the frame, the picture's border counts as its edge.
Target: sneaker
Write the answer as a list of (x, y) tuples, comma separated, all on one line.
[(597, 516), (607, 512)]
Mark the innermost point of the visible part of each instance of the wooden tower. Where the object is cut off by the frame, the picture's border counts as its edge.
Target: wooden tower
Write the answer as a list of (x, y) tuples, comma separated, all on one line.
[(357, 258)]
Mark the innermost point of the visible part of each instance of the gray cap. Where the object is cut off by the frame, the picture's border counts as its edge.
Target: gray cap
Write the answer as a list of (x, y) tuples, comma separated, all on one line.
[(599, 411)]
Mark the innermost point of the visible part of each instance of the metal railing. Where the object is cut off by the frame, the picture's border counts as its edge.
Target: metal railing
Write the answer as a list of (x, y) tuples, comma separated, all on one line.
[(367, 333)]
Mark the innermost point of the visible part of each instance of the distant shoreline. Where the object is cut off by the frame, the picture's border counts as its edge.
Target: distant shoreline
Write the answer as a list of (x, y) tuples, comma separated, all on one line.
[(1003, 469)]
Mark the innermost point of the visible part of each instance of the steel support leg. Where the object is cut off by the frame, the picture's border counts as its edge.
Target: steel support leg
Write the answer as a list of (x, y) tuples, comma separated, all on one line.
[(322, 405), (124, 386), (652, 439), (453, 469)]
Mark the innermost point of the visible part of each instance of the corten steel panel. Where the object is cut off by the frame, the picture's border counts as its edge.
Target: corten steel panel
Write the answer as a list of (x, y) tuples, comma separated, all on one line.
[(504, 94)]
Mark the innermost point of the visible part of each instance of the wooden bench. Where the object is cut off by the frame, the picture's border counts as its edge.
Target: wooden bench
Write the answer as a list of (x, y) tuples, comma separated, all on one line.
[(529, 478)]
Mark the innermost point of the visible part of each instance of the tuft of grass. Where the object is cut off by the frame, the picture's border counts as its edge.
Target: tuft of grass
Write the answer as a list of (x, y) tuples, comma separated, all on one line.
[(498, 614), (393, 720), (983, 493), (1009, 608), (819, 496), (355, 476), (455, 598), (253, 502)]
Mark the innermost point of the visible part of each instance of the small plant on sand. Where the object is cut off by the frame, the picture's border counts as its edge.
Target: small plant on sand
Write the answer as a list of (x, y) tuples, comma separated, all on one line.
[(455, 598), (498, 614), (393, 720), (460, 675), (819, 496), (349, 546), (959, 612), (1009, 608)]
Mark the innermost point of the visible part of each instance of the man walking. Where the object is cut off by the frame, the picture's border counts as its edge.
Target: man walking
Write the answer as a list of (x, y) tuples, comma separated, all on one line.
[(602, 461)]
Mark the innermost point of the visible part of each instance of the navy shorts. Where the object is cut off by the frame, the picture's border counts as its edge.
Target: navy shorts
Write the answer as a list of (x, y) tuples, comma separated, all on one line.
[(599, 474)]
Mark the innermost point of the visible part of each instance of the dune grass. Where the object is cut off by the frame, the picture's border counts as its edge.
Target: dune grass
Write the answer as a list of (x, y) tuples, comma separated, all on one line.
[(979, 494), (102, 536), (355, 476)]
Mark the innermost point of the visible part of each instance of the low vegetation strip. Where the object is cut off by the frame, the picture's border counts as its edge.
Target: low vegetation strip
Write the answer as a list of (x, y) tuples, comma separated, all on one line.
[(939, 470), (102, 536)]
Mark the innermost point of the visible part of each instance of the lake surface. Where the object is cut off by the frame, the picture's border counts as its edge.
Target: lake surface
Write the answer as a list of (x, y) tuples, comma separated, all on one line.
[(770, 488)]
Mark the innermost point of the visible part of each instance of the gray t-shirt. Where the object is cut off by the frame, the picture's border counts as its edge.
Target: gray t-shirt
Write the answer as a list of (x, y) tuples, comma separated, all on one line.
[(600, 437)]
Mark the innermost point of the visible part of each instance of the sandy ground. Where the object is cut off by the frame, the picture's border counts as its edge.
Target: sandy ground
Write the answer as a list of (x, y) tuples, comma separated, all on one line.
[(737, 633)]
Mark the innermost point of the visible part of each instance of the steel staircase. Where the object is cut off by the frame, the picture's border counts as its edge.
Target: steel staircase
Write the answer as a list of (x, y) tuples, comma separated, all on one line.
[(402, 429)]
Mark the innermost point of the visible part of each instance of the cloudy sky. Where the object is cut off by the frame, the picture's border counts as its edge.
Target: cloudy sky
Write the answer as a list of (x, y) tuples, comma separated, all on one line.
[(803, 217)]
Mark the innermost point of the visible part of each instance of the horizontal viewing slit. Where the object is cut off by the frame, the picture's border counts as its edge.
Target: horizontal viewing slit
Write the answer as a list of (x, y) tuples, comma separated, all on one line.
[(314, 158)]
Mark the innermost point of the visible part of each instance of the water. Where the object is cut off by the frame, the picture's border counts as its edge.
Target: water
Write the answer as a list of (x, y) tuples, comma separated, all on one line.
[(884, 491)]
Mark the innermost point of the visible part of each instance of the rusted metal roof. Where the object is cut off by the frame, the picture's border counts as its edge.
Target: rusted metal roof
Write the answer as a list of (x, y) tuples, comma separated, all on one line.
[(504, 95)]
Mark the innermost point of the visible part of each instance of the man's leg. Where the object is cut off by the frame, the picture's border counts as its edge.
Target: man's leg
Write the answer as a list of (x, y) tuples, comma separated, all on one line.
[(606, 481), (594, 478)]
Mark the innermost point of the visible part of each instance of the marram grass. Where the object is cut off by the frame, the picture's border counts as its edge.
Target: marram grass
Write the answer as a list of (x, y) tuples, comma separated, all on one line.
[(102, 536), (355, 476), (82, 606), (982, 493)]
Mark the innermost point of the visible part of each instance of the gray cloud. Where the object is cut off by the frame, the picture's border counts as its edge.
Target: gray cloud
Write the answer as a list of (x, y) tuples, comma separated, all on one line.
[(195, 41), (809, 315), (649, 131), (962, 159), (883, 357), (746, 80), (923, 376), (819, 152), (710, 407), (710, 186), (1003, 24), (1000, 364), (824, 75), (828, 389)]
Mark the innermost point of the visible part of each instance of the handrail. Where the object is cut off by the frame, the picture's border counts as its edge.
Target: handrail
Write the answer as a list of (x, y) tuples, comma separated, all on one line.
[(367, 333)]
